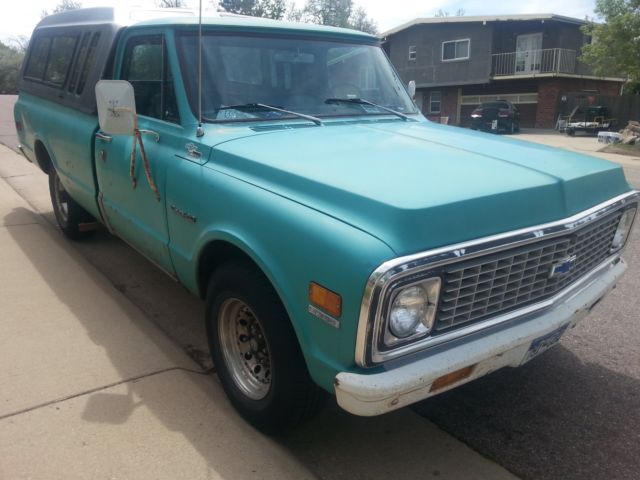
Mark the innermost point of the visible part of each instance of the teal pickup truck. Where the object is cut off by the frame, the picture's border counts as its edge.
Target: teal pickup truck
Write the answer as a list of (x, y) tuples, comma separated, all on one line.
[(342, 242)]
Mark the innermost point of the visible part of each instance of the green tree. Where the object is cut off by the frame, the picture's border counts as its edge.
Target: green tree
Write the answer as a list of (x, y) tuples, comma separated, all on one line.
[(63, 6), (615, 46), (338, 13), (361, 21), (170, 3), (329, 12), (275, 9), (10, 62)]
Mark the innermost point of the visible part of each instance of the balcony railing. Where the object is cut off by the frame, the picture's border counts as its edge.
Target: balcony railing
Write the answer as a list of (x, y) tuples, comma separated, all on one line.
[(532, 62)]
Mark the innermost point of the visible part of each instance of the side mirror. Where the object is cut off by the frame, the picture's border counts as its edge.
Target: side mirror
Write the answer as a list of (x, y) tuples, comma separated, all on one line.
[(116, 107), (412, 89)]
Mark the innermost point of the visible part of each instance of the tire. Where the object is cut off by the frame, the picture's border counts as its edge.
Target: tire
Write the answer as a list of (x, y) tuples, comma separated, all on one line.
[(256, 352), (69, 214), (512, 129)]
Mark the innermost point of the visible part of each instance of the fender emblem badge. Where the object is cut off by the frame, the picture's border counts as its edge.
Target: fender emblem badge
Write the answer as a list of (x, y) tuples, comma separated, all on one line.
[(183, 214)]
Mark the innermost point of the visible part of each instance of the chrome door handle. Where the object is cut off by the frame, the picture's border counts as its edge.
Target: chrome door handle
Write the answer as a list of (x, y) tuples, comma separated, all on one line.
[(150, 132), (104, 138)]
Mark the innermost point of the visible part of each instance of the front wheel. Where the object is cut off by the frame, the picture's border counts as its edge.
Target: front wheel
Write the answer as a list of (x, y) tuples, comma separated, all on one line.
[(255, 350), (69, 214)]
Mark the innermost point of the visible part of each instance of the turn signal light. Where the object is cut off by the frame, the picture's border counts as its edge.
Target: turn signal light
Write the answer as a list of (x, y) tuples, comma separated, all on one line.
[(451, 378), (324, 298)]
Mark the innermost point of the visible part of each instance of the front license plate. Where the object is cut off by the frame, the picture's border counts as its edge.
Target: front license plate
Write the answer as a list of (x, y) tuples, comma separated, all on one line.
[(494, 124), (544, 343)]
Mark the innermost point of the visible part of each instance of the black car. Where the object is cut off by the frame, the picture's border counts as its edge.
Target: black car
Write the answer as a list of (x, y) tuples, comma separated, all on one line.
[(498, 116)]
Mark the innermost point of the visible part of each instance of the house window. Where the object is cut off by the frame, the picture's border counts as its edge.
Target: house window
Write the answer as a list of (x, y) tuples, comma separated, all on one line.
[(455, 50), (434, 102), (412, 52)]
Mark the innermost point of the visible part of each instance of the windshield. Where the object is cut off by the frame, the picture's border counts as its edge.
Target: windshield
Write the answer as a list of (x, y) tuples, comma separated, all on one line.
[(293, 74)]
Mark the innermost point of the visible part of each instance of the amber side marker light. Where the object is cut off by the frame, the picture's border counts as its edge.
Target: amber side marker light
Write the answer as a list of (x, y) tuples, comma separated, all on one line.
[(324, 298), (451, 378)]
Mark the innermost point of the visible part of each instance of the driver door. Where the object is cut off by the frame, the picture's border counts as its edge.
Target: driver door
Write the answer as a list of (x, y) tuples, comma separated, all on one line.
[(138, 215)]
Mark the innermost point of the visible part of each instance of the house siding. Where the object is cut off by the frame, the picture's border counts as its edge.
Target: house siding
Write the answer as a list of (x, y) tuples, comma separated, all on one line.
[(428, 68)]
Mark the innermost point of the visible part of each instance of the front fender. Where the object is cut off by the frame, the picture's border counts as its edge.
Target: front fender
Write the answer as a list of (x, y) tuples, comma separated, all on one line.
[(291, 243)]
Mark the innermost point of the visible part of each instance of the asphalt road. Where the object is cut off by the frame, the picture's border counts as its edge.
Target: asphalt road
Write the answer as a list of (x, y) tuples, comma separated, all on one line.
[(572, 413)]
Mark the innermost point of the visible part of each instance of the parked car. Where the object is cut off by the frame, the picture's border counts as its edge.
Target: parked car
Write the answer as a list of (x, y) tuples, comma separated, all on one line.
[(340, 241), (496, 116)]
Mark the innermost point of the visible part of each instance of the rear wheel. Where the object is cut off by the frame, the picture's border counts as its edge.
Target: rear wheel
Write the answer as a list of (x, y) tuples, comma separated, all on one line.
[(256, 352), (69, 214)]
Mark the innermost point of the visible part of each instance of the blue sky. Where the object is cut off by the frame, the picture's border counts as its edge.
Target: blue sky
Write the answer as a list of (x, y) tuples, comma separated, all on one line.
[(22, 16)]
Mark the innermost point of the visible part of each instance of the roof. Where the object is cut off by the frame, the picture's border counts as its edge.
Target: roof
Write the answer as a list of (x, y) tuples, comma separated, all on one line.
[(484, 19), (175, 16)]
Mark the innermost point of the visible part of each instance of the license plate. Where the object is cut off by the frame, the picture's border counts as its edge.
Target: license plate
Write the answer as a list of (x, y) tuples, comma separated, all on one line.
[(544, 343), (494, 124)]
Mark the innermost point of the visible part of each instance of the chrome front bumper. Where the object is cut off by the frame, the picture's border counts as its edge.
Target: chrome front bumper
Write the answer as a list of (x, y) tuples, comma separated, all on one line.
[(378, 393)]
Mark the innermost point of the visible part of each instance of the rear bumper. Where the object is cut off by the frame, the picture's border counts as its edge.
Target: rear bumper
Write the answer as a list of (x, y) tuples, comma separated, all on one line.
[(379, 393)]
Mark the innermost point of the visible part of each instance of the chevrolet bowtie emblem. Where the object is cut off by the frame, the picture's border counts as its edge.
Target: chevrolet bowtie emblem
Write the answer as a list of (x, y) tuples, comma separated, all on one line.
[(562, 267)]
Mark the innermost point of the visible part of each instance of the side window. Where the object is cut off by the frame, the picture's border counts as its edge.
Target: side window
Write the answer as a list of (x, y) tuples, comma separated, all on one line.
[(88, 63), (62, 49), (146, 68), (82, 53), (37, 62)]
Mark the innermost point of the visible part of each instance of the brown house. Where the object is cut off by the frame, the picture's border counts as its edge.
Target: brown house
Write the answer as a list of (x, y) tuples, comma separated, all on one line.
[(531, 60)]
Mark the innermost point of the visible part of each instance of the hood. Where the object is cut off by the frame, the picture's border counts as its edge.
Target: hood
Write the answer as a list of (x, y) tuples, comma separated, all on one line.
[(419, 185)]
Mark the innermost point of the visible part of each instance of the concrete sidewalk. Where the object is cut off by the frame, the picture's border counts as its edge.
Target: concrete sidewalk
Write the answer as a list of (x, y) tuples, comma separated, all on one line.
[(90, 387)]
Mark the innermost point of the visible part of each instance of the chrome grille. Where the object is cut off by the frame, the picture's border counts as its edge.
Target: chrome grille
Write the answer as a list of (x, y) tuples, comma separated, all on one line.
[(503, 281)]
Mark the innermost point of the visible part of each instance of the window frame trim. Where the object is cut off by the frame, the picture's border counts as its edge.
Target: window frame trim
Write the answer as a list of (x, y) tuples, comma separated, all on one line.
[(456, 59), (415, 53), (439, 102)]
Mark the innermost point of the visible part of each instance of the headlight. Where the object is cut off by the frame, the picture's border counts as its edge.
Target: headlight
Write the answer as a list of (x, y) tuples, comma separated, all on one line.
[(413, 311), (623, 230)]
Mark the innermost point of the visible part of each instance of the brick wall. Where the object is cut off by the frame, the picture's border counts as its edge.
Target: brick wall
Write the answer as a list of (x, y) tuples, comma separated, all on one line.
[(549, 91), (448, 104)]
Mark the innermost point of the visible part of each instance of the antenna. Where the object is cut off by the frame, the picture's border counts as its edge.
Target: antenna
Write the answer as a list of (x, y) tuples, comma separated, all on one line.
[(200, 130)]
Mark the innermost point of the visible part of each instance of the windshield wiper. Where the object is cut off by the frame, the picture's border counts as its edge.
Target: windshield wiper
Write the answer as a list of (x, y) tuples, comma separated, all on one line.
[(362, 101), (253, 106)]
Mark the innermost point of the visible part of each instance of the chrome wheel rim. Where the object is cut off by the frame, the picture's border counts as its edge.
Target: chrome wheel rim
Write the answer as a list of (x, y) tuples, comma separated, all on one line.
[(62, 200), (244, 348)]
